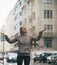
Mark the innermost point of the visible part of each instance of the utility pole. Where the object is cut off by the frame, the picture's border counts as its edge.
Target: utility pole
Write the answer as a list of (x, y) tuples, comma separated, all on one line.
[(2, 41), (3, 50)]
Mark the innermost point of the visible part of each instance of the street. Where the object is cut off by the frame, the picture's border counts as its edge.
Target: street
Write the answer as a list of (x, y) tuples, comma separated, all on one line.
[(31, 63)]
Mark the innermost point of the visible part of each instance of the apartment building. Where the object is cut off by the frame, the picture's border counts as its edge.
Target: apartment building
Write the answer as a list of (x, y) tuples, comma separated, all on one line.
[(4, 46), (35, 15), (13, 24), (13, 21), (40, 14)]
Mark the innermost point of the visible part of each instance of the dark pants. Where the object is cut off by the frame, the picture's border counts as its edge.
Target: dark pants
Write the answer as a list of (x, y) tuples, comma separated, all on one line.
[(20, 59)]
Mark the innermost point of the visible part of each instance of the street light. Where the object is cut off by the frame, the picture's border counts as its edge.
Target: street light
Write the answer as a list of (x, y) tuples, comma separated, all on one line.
[(2, 39), (3, 50)]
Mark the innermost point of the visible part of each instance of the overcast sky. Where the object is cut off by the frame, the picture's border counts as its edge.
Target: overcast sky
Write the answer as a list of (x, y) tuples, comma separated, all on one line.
[(5, 8)]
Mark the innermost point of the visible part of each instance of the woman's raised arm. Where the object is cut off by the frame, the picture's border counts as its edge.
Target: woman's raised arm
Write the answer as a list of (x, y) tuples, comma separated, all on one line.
[(7, 38)]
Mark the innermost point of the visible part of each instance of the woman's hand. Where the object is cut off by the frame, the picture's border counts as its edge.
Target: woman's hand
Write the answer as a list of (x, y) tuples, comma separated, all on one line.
[(3, 34), (42, 31)]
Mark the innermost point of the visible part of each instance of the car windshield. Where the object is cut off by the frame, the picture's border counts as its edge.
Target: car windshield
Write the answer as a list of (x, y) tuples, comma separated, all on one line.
[(47, 54), (12, 54), (54, 54)]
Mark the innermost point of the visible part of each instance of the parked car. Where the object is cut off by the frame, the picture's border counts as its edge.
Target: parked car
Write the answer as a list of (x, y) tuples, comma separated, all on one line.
[(37, 55), (36, 58), (52, 59), (1, 56), (12, 57), (43, 57)]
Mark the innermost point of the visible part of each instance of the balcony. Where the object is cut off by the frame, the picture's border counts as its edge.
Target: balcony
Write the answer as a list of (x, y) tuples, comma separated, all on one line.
[(48, 35)]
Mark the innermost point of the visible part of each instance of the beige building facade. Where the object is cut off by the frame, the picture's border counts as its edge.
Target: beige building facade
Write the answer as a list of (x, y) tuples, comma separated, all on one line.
[(35, 15), (12, 26), (40, 14)]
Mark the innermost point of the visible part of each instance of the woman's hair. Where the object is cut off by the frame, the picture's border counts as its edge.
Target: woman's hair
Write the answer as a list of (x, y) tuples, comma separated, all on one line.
[(21, 30)]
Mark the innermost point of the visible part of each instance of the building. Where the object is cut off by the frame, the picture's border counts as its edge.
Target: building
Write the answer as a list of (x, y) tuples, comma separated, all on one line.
[(4, 46), (35, 15), (13, 24), (40, 14), (13, 21)]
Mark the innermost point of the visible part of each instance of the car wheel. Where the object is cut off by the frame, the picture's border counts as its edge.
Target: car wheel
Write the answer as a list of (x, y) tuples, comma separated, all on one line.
[(39, 61), (34, 61), (48, 62), (43, 61)]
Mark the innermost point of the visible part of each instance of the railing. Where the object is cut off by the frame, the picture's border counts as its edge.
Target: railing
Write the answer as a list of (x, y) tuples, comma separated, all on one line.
[(48, 34)]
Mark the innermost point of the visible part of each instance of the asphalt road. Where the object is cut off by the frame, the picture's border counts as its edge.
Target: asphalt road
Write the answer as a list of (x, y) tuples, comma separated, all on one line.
[(31, 63)]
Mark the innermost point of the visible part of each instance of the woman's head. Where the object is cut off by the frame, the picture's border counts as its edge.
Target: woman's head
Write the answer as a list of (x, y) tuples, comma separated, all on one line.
[(23, 29)]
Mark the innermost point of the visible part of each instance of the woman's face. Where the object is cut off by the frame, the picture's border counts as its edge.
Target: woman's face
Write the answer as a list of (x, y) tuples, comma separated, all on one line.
[(24, 29)]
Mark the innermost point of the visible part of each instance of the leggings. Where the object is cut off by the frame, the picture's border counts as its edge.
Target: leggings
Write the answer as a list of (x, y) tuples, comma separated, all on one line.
[(21, 58)]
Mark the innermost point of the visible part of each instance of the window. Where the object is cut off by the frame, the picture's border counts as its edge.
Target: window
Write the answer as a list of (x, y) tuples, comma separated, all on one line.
[(30, 20), (47, 1), (47, 14), (33, 16), (20, 23), (20, 3), (47, 43), (44, 13), (14, 27), (20, 13), (50, 14), (17, 16), (16, 45), (25, 0), (2, 38), (49, 27)]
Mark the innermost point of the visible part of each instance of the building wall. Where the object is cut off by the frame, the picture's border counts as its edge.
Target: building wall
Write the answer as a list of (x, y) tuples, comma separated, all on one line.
[(42, 14), (35, 15), (13, 24)]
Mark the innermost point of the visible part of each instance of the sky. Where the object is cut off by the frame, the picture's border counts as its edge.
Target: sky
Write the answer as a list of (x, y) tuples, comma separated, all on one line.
[(5, 8)]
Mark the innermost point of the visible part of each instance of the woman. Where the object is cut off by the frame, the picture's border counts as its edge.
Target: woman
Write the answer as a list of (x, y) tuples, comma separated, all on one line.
[(24, 44)]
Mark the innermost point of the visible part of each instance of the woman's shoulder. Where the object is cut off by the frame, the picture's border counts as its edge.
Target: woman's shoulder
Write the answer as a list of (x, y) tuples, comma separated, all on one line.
[(30, 36)]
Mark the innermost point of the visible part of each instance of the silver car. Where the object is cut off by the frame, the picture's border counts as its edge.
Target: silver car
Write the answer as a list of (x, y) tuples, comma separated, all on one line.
[(12, 57), (52, 59)]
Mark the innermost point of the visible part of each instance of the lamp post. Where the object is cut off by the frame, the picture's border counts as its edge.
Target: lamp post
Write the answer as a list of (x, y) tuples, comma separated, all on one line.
[(3, 50), (2, 39)]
